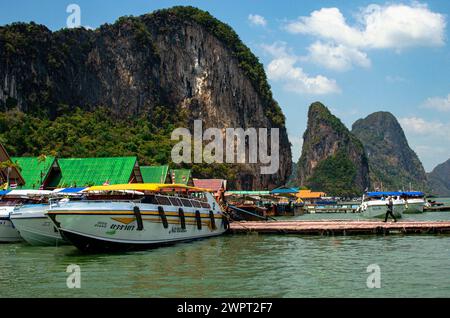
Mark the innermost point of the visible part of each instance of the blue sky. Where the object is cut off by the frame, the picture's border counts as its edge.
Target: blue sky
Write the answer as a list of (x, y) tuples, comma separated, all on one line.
[(357, 57)]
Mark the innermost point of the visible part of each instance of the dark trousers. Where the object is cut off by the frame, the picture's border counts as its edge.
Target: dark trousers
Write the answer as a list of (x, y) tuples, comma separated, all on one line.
[(389, 212)]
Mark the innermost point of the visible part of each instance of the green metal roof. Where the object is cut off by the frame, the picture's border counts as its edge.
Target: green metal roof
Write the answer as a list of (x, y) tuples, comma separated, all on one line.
[(95, 171), (154, 174), (181, 175), (33, 170)]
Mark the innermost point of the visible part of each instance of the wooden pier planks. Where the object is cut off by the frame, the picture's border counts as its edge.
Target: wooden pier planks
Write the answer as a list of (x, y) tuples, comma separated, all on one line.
[(341, 227)]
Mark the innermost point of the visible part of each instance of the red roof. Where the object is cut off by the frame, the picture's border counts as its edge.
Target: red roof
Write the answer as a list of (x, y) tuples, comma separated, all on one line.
[(211, 184)]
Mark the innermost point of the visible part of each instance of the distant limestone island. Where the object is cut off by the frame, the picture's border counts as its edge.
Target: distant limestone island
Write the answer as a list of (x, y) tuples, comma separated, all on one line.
[(374, 155)]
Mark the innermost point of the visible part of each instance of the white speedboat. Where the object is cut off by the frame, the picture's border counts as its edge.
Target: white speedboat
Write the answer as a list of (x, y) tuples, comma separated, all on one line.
[(159, 214), (33, 224), (415, 201), (8, 202), (374, 204), (8, 233)]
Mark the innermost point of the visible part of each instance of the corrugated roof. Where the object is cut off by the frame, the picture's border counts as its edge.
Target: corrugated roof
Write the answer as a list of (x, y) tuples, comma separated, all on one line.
[(76, 172), (211, 184), (308, 194), (15, 175), (154, 174), (34, 171), (181, 176)]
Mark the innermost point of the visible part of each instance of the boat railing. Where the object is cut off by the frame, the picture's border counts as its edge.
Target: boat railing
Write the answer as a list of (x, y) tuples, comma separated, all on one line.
[(54, 203)]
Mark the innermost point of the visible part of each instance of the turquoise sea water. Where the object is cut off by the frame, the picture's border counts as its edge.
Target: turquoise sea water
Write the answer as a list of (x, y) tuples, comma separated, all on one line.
[(248, 265)]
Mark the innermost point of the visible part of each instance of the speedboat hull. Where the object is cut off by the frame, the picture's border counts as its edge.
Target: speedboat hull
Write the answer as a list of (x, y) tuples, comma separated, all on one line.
[(379, 210), (35, 227), (110, 226), (8, 233), (415, 206)]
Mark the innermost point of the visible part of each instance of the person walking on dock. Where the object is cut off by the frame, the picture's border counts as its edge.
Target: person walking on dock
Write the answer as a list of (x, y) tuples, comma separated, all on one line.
[(390, 209)]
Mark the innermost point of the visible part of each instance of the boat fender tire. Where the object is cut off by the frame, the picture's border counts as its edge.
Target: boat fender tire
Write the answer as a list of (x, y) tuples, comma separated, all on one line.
[(163, 216), (225, 222), (213, 220), (198, 218), (137, 214), (182, 218)]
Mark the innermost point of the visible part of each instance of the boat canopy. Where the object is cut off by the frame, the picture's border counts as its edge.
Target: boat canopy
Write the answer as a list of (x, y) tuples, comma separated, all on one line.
[(68, 190), (144, 187), (247, 193), (396, 193), (384, 193), (414, 194), (28, 192), (3, 192)]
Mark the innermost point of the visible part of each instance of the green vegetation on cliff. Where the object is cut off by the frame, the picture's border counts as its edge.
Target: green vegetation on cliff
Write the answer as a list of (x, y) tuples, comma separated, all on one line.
[(88, 134), (393, 164), (335, 176), (100, 134), (333, 159)]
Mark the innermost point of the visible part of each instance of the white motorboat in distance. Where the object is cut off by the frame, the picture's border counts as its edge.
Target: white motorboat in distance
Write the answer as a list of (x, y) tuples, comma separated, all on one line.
[(415, 201), (374, 204), (145, 216)]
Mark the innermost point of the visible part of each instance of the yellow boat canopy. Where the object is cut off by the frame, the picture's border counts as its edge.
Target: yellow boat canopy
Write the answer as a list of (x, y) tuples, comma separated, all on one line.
[(155, 187)]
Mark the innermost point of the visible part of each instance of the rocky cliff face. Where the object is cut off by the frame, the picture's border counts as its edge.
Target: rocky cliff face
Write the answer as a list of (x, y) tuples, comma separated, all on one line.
[(439, 179), (332, 160), (181, 59), (393, 164)]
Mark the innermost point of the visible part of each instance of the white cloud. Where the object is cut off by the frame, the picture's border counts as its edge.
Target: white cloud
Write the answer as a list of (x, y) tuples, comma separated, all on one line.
[(337, 57), (256, 19), (421, 127), (438, 103), (327, 23), (394, 26), (430, 139), (283, 68)]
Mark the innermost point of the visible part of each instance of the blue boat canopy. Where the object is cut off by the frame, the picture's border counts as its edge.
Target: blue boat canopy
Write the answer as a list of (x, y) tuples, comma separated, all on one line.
[(71, 190), (3, 192), (414, 194), (384, 193), (395, 193)]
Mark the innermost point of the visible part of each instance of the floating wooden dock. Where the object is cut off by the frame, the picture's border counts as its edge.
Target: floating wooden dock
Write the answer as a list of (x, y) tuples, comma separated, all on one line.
[(341, 227)]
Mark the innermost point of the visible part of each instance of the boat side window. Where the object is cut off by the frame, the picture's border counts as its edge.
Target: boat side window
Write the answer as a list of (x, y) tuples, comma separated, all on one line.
[(196, 203), (175, 201), (186, 202), (205, 205), (149, 199), (163, 200)]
